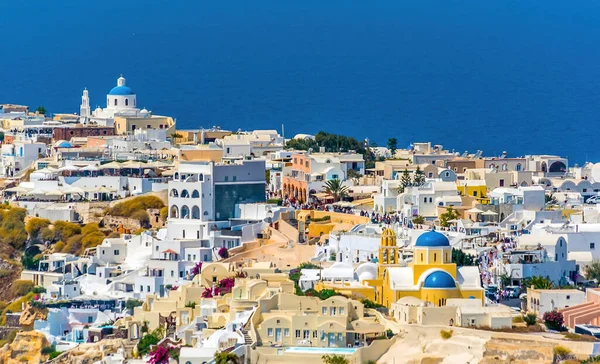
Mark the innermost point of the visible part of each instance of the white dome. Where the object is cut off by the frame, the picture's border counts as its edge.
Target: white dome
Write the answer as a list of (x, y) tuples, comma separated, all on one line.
[(144, 111)]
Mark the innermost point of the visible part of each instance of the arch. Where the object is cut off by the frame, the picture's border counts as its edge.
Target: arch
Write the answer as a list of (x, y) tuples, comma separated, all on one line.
[(115, 101), (557, 167), (126, 102), (518, 167), (505, 167), (185, 212), (195, 194), (185, 194), (200, 177), (174, 212), (195, 212), (544, 167), (176, 176), (502, 216), (174, 193)]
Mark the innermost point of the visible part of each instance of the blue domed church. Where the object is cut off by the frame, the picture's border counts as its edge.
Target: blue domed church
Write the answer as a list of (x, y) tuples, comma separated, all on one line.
[(431, 277)]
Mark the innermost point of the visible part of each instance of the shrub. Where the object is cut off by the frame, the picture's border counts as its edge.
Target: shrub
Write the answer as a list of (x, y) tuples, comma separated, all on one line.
[(141, 203), (133, 303), (191, 305), (38, 290), (371, 304), (21, 287), (446, 334), (419, 220), (164, 212), (530, 318), (35, 225), (553, 320), (5, 273), (562, 353), (517, 319), (334, 359), (577, 337), (149, 340)]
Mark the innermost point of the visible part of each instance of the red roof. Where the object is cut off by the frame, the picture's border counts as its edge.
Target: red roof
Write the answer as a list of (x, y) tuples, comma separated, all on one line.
[(170, 251)]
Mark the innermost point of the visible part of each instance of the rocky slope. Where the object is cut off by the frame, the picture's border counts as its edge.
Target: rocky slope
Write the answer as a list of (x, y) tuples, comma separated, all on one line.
[(26, 348)]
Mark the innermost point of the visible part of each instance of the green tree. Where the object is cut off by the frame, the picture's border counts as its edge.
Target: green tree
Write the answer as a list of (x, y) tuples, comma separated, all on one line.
[(405, 181), (334, 359), (148, 340), (392, 145), (462, 259), (538, 282), (419, 177), (225, 357), (354, 175), (176, 136), (418, 220), (41, 110), (592, 271), (448, 216), (336, 189), (327, 293)]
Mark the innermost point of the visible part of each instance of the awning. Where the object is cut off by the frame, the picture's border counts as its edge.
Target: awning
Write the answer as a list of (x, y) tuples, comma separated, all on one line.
[(322, 195), (489, 213), (111, 165), (474, 210)]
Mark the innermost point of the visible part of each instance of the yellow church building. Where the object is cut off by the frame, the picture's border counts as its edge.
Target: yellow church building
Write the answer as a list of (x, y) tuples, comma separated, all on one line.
[(431, 277)]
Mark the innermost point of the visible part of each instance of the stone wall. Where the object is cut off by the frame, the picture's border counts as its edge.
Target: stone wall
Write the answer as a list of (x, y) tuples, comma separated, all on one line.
[(114, 222)]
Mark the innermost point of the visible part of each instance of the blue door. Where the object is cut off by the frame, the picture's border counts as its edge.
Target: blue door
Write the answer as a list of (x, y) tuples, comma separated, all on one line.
[(331, 339)]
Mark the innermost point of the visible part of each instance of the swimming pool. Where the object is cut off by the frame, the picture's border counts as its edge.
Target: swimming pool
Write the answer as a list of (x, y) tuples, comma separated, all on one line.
[(309, 350)]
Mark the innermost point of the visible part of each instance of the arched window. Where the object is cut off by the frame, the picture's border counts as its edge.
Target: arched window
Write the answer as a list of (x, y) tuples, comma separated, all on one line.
[(174, 212), (174, 193), (126, 102), (195, 212), (176, 175), (115, 101), (185, 212), (434, 257), (518, 167), (505, 167), (200, 177), (195, 194), (185, 194)]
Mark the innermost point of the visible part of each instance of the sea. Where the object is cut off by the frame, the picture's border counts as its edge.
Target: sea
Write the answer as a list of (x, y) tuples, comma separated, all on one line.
[(520, 76)]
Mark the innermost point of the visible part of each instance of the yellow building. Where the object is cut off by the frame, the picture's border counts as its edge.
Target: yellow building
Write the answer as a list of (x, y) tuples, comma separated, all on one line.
[(431, 277), (473, 188), (128, 124)]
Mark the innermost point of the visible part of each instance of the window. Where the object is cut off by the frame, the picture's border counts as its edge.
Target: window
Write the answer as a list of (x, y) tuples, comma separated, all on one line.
[(592, 245), (286, 332), (189, 257), (148, 288), (501, 183), (474, 193), (141, 288), (430, 175), (324, 310), (226, 178), (126, 102), (340, 336), (585, 190), (116, 252), (157, 248), (297, 334), (306, 334), (568, 297), (234, 178), (172, 273), (434, 257), (270, 331), (90, 319), (425, 199), (332, 311), (341, 310), (115, 102), (421, 256), (430, 199)]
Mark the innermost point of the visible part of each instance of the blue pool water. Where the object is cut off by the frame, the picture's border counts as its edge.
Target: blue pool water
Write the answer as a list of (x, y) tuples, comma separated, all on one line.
[(295, 349)]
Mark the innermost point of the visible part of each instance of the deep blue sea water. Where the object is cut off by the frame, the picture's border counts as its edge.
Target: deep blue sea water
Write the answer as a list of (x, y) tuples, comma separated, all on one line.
[(515, 75)]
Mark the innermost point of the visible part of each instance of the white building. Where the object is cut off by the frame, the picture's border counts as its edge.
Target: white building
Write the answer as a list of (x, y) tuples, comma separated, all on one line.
[(424, 200), (541, 301)]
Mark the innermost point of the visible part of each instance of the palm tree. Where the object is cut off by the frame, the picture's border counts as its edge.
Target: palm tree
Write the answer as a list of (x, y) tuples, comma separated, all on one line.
[(226, 357), (335, 188)]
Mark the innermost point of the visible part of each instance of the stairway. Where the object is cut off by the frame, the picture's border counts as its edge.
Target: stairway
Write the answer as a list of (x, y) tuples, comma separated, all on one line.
[(247, 338)]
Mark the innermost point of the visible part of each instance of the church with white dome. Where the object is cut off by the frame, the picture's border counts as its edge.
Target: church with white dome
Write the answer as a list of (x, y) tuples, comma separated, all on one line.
[(120, 101)]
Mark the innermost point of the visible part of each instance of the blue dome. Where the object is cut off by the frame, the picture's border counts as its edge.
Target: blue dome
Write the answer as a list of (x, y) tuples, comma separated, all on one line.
[(439, 279), (121, 91), (432, 238)]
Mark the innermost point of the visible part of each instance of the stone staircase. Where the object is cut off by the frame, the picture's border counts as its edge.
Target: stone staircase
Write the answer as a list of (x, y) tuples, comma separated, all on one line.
[(247, 338)]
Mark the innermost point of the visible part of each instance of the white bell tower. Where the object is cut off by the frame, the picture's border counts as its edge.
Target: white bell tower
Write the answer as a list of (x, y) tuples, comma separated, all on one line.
[(84, 109)]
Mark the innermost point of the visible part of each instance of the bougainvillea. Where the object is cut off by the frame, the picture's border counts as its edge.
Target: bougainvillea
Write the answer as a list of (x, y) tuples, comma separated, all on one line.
[(553, 320), (223, 253), (225, 286), (207, 293), (159, 355), (197, 269)]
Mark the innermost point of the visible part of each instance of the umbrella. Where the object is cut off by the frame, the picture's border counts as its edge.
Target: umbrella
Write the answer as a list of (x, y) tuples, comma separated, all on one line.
[(132, 165), (54, 193), (68, 168), (90, 167), (17, 189), (44, 171), (489, 213), (474, 210), (35, 191), (111, 165)]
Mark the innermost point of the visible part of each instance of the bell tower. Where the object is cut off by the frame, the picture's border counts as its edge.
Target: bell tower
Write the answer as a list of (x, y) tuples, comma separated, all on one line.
[(388, 252), (84, 108)]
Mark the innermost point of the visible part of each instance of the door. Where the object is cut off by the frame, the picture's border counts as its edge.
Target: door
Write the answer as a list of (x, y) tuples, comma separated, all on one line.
[(331, 339), (278, 335)]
